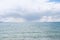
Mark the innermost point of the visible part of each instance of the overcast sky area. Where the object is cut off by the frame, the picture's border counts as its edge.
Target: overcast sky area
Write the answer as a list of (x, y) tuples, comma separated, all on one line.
[(30, 10)]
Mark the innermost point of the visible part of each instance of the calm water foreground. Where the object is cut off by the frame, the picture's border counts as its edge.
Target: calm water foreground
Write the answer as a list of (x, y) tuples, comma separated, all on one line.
[(30, 31)]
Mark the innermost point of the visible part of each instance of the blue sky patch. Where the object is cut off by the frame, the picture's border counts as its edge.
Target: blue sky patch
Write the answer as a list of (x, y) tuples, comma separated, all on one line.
[(54, 0)]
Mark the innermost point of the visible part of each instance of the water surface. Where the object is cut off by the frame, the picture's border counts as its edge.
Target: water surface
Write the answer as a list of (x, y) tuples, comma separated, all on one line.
[(30, 31)]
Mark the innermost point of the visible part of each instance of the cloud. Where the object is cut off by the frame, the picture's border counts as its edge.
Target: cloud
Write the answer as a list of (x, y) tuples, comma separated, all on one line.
[(11, 19), (49, 19), (29, 10)]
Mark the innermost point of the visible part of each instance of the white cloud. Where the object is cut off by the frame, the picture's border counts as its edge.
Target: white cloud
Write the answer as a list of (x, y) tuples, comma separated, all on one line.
[(29, 7), (25, 5), (43, 19), (11, 19), (49, 19)]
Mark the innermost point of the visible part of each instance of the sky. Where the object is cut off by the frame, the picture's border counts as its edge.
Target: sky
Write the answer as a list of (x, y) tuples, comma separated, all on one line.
[(30, 10)]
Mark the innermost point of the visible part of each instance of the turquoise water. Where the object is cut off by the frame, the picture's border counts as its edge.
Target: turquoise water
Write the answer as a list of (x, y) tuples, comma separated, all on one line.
[(30, 31)]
